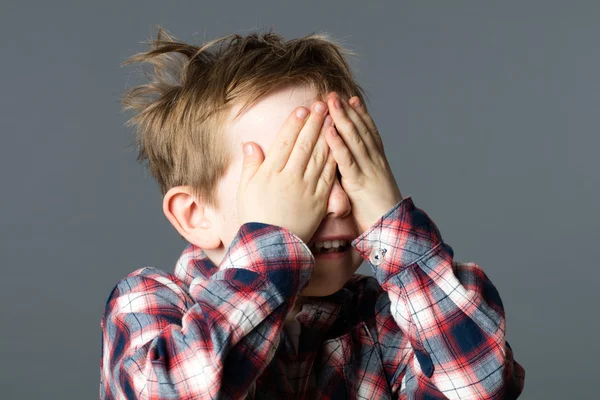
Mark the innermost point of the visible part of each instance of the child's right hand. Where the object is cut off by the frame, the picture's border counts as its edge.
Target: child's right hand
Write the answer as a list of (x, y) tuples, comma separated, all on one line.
[(291, 186)]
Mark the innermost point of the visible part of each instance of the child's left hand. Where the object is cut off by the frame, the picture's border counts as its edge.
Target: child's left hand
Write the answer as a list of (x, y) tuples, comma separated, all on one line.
[(358, 150)]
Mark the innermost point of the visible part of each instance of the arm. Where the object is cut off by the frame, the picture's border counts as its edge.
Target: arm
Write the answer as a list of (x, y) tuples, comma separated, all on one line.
[(450, 315), (161, 341)]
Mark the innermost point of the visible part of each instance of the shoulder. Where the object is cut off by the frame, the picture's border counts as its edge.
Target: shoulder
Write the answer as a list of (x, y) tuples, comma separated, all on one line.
[(148, 285)]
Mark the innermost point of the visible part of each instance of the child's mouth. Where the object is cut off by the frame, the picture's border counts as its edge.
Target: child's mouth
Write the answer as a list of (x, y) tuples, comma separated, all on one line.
[(325, 250), (332, 252)]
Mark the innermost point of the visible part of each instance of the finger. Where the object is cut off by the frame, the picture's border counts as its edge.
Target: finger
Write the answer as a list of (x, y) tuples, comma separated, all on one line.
[(319, 156), (348, 131), (327, 175), (305, 143), (282, 146), (365, 134), (253, 158), (343, 156), (362, 111)]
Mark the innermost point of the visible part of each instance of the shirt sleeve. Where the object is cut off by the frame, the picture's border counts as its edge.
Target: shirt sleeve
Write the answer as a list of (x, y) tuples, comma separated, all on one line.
[(161, 341), (443, 332)]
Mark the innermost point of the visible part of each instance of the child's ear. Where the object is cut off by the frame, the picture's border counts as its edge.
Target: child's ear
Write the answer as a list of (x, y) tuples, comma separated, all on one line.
[(195, 222)]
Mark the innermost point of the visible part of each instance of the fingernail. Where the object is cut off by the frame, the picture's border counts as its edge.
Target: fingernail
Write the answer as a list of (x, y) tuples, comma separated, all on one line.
[(337, 104), (320, 108), (327, 121), (301, 113), (248, 149), (356, 103)]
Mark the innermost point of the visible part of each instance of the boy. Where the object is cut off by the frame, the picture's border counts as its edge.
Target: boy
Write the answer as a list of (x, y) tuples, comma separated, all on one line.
[(263, 301)]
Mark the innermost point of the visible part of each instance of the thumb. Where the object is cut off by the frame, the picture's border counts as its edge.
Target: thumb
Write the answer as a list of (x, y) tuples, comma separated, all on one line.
[(253, 158)]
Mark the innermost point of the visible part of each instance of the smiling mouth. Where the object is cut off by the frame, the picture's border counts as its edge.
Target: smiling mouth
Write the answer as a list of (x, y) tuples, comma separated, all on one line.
[(324, 250)]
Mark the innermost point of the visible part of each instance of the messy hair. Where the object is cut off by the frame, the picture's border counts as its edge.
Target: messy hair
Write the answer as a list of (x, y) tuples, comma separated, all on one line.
[(179, 115)]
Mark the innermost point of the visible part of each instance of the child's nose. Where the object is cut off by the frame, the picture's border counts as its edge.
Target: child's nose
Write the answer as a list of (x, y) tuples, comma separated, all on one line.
[(338, 204)]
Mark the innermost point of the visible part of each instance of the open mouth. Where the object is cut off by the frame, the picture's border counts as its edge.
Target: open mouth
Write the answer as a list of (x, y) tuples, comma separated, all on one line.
[(324, 250), (342, 247)]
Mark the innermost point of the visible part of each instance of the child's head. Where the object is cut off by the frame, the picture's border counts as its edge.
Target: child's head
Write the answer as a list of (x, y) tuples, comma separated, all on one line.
[(203, 101)]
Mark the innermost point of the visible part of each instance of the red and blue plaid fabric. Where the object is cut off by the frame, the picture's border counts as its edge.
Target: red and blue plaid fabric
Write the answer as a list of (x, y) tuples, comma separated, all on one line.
[(424, 327)]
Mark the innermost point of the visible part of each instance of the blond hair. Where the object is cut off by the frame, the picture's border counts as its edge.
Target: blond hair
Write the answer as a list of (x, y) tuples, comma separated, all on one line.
[(181, 111)]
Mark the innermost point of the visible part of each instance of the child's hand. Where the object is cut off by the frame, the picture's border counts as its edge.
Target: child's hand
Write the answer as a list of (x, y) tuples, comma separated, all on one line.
[(291, 186), (358, 150)]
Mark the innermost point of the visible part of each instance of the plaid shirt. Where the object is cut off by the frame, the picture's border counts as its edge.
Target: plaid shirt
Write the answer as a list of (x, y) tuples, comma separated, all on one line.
[(425, 327)]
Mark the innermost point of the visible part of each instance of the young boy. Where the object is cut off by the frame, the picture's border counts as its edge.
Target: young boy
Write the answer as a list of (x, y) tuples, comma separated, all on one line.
[(263, 302)]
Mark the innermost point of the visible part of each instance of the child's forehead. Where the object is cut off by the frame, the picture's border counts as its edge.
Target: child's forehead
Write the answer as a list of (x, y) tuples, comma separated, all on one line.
[(282, 102), (262, 121)]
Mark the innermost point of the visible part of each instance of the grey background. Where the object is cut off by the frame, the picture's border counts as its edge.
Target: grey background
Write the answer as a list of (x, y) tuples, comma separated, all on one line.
[(489, 112)]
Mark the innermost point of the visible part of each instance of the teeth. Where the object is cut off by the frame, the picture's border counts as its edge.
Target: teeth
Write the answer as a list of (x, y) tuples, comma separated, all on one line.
[(328, 244)]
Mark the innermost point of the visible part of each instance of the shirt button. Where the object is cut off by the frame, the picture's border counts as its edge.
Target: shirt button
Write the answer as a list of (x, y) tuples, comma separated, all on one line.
[(376, 256)]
